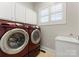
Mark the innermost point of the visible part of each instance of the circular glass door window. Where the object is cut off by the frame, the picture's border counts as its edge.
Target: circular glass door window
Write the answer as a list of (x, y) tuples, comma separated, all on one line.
[(16, 40), (35, 36)]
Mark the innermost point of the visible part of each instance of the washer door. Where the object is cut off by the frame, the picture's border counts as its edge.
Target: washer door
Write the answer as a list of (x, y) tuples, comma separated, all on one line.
[(35, 36), (14, 41)]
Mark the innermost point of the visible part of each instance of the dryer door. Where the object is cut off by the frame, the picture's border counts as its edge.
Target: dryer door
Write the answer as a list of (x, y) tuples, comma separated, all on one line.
[(14, 41), (35, 36)]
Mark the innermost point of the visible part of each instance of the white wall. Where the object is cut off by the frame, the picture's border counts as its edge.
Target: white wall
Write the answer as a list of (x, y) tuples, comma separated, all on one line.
[(27, 4), (76, 21), (26, 12), (49, 32)]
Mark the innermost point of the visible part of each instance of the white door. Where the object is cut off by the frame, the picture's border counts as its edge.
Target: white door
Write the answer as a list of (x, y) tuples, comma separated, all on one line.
[(20, 13), (35, 36), (14, 41), (7, 10)]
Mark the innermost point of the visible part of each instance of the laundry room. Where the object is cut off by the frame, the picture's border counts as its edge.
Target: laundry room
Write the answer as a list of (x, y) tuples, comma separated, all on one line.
[(39, 29)]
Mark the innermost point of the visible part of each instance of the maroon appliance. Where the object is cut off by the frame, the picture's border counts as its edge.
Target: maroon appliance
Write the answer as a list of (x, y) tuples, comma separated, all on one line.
[(14, 39), (34, 41)]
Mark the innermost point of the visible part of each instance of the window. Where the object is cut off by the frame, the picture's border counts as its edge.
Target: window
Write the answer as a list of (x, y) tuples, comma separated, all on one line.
[(44, 19), (44, 15), (56, 12), (44, 12), (53, 14), (58, 7), (56, 16)]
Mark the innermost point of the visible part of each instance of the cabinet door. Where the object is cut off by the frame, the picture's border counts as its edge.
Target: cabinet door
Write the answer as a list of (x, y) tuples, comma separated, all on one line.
[(7, 10), (30, 16), (20, 13), (66, 49)]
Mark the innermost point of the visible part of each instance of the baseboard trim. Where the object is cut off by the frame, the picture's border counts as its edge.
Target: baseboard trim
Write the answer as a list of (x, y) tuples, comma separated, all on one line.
[(47, 49)]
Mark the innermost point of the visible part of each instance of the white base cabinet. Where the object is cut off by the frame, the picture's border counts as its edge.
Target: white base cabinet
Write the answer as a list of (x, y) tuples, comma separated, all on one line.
[(66, 49)]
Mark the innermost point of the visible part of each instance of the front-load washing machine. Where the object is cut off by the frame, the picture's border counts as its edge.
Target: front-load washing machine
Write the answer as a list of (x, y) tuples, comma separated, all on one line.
[(34, 41), (14, 39)]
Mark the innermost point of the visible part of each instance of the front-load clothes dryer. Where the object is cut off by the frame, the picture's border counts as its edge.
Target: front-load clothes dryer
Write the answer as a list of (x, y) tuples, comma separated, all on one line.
[(14, 39), (34, 42)]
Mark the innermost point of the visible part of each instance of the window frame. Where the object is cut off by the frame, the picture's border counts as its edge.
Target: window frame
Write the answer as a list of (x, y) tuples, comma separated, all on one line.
[(50, 22), (39, 22), (63, 21)]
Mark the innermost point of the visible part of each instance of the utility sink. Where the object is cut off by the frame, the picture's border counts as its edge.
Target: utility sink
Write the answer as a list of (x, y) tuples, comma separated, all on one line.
[(67, 38)]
